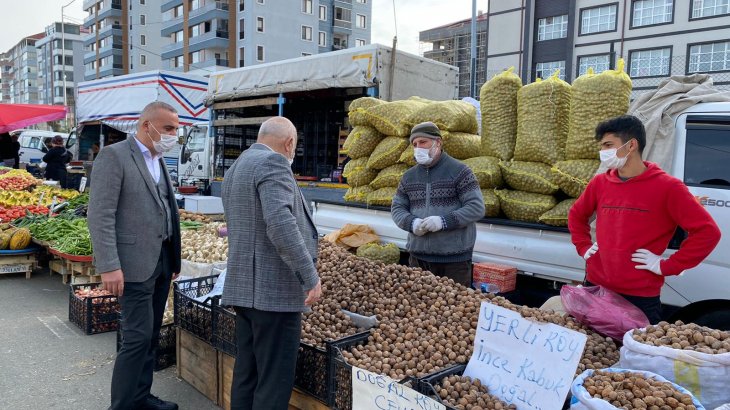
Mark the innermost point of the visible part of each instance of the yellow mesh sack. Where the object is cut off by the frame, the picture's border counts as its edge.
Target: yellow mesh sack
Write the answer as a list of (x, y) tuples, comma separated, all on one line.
[(558, 216), (390, 176), (498, 102), (486, 170), (524, 206), (357, 173), (387, 152), (529, 177), (461, 145)]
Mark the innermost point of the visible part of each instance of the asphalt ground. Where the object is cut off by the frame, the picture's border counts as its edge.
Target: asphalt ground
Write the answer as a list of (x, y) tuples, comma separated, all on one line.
[(47, 362)]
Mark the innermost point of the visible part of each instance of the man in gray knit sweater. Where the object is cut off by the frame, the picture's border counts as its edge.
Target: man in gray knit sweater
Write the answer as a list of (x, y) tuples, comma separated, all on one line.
[(438, 202)]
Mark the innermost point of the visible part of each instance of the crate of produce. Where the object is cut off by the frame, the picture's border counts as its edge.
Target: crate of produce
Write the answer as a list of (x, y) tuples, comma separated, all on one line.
[(92, 308), (340, 385), (194, 312), (502, 276), (224, 330), (450, 395), (165, 355)]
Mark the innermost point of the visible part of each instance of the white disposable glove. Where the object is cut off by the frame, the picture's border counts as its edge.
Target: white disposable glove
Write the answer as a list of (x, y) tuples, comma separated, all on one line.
[(417, 227), (648, 261), (433, 223), (591, 251)]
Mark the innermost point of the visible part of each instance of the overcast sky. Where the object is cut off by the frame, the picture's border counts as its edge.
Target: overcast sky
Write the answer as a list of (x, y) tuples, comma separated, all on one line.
[(19, 18)]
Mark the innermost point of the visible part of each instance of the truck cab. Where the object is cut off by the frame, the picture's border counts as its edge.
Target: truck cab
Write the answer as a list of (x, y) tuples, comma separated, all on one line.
[(701, 158), (195, 157)]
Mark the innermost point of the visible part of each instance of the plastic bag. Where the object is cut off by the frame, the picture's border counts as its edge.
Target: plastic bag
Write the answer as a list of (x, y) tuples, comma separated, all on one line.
[(581, 400), (353, 236), (705, 375), (603, 310)]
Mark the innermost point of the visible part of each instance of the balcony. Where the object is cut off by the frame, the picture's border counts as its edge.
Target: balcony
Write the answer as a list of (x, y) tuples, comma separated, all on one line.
[(349, 2), (341, 27), (110, 12), (211, 39), (171, 26), (171, 50), (110, 29), (170, 4), (210, 11)]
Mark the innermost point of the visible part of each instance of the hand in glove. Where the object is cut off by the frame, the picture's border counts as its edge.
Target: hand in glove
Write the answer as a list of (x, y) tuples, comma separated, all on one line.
[(648, 261), (417, 227), (591, 251), (433, 223)]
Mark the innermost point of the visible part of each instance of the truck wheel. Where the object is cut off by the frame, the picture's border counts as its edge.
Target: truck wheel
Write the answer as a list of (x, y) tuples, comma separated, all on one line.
[(714, 313)]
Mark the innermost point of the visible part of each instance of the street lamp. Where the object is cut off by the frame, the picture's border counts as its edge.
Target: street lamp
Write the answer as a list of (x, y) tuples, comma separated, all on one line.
[(63, 59)]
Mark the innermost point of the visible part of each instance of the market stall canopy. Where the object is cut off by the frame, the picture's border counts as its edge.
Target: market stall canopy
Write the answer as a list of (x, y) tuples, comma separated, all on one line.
[(16, 116)]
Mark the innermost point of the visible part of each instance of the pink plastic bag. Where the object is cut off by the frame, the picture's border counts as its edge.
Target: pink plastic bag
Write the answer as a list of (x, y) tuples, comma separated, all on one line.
[(603, 310)]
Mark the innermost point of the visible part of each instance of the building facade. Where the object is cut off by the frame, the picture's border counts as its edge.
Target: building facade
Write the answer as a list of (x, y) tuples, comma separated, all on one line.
[(59, 61), (655, 38), (451, 44), (5, 78), (210, 35), (21, 71), (123, 37)]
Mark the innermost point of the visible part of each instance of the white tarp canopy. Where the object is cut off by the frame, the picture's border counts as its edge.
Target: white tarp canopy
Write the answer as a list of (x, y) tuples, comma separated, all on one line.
[(365, 66)]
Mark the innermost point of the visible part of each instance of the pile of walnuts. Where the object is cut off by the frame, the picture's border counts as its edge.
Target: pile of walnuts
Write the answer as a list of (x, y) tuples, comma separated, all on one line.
[(685, 337), (635, 391)]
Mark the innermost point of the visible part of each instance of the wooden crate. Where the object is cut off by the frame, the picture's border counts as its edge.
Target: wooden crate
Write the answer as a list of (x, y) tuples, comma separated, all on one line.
[(197, 364), (18, 264), (298, 400)]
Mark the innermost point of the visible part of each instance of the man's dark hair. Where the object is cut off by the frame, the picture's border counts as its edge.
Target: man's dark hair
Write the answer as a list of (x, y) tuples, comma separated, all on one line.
[(626, 127)]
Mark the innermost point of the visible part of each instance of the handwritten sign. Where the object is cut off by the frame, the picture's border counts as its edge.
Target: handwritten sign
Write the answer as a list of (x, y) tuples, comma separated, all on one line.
[(372, 391), (525, 363), (82, 185)]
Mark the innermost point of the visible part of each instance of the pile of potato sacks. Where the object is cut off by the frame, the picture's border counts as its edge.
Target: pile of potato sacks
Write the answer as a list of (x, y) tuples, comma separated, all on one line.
[(425, 323), (535, 155)]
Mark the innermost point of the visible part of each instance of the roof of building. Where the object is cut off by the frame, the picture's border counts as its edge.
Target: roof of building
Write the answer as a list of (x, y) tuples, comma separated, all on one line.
[(460, 23)]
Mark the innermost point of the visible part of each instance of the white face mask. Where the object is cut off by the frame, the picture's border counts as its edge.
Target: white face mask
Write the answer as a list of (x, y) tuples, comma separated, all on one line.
[(166, 142), (424, 156), (611, 160)]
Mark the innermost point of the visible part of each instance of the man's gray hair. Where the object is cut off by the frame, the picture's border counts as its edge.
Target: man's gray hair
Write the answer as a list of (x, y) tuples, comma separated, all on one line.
[(150, 109), (277, 127)]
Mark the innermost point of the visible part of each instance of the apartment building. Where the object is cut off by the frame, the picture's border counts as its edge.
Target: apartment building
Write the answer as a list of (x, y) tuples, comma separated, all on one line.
[(210, 35), (20, 72), (656, 38), (59, 55), (451, 44), (124, 37), (5, 78)]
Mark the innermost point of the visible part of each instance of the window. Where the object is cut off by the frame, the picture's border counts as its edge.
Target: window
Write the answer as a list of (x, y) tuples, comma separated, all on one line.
[(241, 29), (194, 4), (142, 2), (362, 1), (650, 12), (143, 59), (359, 42), (260, 53), (177, 36), (709, 57), (260, 24), (322, 40), (178, 61), (707, 153), (306, 54), (178, 11), (306, 33), (142, 20), (323, 13), (598, 19), (343, 14), (242, 57), (545, 70), (307, 6), (196, 57), (649, 63), (598, 63), (710, 8), (552, 27), (361, 21), (143, 40), (260, 1)]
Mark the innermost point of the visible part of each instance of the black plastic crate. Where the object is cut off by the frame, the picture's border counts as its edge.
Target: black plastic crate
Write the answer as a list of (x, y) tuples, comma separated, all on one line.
[(165, 356), (224, 330), (426, 384), (341, 372), (194, 316), (314, 367), (93, 314)]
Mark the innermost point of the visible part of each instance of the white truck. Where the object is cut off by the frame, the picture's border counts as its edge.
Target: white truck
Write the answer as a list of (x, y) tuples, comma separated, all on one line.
[(109, 108), (701, 160), (314, 93)]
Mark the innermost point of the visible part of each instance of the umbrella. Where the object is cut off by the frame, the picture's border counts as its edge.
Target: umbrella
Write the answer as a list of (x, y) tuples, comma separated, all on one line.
[(16, 116)]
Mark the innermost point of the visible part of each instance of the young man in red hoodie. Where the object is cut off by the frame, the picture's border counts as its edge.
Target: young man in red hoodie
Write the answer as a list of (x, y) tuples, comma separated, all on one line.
[(638, 208)]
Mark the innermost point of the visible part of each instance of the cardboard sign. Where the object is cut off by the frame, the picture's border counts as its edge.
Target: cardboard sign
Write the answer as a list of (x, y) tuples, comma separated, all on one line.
[(525, 363), (372, 391), (82, 185)]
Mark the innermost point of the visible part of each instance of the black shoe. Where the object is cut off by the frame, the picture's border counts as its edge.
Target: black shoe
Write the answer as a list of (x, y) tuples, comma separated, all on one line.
[(155, 403)]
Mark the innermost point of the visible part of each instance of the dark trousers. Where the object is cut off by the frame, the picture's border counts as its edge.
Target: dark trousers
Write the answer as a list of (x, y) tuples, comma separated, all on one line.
[(460, 272), (651, 305), (143, 305), (268, 343)]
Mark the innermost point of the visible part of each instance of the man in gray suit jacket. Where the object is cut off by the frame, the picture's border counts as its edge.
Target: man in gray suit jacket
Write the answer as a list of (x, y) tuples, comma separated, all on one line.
[(135, 232), (271, 276)]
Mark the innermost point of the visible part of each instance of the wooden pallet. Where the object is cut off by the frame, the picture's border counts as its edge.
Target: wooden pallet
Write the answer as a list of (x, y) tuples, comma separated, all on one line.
[(74, 272), (10, 264)]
